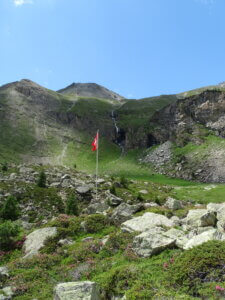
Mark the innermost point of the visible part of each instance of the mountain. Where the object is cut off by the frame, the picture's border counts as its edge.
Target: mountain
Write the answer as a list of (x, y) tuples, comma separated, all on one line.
[(177, 135), (90, 90)]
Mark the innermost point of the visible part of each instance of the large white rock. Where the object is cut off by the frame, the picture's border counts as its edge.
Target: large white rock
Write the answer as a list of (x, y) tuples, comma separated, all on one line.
[(124, 212), (83, 290), (201, 218), (146, 222), (215, 207), (179, 237), (35, 240), (212, 234), (152, 242), (221, 218), (173, 204)]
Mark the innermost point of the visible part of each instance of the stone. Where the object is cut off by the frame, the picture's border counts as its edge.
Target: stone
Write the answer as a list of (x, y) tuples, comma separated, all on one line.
[(221, 218), (143, 192), (7, 293), (87, 239), (152, 242), (215, 207), (4, 273), (145, 222), (149, 205), (124, 212), (65, 176), (173, 204), (212, 234), (84, 189), (12, 176), (35, 240), (179, 236), (98, 207), (83, 290), (55, 184), (176, 220), (114, 200), (201, 218), (64, 242)]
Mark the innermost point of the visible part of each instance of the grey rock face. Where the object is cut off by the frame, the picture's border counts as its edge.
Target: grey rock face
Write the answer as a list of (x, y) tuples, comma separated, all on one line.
[(212, 234), (95, 208), (83, 189), (84, 290), (146, 222), (35, 240), (152, 242), (179, 237), (201, 218), (7, 293), (114, 200), (124, 212), (173, 204), (4, 273)]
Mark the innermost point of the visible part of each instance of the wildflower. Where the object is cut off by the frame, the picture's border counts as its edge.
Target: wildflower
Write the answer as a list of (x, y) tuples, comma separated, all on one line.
[(165, 265), (219, 288)]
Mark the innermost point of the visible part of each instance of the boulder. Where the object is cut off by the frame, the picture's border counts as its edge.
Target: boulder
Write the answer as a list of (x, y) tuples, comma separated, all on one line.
[(124, 212), (143, 192), (6, 293), (149, 205), (84, 189), (35, 240), (221, 218), (176, 220), (215, 207), (98, 207), (152, 242), (114, 200), (4, 273), (146, 222), (83, 290), (173, 204), (179, 237), (201, 218), (212, 234)]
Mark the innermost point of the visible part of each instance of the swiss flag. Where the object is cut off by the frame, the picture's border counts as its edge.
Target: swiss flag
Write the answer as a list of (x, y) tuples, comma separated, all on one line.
[(95, 143)]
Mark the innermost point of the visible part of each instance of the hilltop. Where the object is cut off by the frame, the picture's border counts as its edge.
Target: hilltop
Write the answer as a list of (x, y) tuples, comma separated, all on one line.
[(90, 90)]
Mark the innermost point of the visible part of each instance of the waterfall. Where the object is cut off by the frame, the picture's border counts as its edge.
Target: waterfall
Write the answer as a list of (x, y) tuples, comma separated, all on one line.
[(119, 133), (114, 122)]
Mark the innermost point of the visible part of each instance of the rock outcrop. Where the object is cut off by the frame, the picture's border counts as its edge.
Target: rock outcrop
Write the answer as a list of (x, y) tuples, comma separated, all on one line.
[(35, 240), (83, 290)]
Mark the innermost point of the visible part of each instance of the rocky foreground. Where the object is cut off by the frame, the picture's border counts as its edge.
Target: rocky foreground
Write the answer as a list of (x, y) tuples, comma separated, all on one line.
[(124, 225)]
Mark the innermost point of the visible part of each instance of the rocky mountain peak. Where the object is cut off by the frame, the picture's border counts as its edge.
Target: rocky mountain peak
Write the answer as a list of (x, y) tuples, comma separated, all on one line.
[(90, 90)]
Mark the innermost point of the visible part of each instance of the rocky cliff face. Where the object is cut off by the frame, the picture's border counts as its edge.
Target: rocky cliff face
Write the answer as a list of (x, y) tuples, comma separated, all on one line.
[(195, 128), (186, 120)]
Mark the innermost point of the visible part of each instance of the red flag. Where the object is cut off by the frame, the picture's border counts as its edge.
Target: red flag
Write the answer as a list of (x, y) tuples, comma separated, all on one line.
[(95, 143)]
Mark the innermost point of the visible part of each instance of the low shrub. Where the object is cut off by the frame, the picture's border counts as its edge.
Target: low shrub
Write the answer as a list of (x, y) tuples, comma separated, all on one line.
[(42, 179), (10, 209), (117, 241), (8, 234), (196, 267), (124, 182), (95, 223), (72, 206)]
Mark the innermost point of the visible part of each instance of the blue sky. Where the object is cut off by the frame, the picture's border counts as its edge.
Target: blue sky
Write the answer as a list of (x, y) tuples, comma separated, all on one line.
[(138, 48)]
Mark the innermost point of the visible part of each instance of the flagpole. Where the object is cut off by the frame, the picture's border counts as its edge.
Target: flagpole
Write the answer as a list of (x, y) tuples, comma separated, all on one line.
[(97, 166)]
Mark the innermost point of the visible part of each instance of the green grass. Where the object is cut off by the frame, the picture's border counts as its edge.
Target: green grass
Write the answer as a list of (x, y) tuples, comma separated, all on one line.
[(137, 113)]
